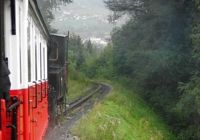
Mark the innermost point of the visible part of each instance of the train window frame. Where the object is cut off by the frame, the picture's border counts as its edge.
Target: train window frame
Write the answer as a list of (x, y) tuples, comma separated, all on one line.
[(56, 58), (39, 70), (29, 50), (41, 61), (33, 49), (20, 44), (36, 56), (44, 67)]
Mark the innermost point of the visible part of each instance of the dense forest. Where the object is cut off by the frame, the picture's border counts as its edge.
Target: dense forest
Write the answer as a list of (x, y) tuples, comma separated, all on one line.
[(158, 52)]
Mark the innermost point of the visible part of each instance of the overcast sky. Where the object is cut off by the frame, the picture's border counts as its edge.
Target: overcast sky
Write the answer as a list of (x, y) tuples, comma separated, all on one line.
[(88, 18)]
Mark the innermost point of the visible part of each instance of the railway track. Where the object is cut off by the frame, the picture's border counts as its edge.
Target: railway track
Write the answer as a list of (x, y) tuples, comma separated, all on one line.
[(79, 107), (76, 103)]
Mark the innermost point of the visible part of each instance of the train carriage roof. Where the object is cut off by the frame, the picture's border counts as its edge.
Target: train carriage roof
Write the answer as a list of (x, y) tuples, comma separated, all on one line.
[(35, 11), (40, 20), (59, 35)]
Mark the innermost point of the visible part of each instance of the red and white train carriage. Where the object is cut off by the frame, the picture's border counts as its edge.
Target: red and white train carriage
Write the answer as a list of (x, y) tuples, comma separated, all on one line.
[(24, 39)]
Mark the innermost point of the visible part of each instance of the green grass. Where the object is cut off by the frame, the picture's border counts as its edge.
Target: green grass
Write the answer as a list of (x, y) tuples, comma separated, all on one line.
[(123, 115), (77, 84), (77, 88)]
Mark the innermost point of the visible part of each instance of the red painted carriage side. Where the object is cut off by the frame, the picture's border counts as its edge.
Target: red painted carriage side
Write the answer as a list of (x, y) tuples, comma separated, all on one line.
[(3, 119), (32, 113), (0, 135)]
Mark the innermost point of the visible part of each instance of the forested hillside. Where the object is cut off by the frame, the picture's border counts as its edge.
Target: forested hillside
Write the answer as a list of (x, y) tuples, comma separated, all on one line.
[(158, 50)]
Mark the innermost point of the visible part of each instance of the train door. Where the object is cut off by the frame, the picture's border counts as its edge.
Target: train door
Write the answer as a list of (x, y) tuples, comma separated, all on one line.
[(33, 80), (37, 78), (32, 92)]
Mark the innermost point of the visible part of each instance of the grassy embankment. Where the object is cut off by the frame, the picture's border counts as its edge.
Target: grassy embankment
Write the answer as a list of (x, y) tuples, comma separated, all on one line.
[(78, 83), (122, 116)]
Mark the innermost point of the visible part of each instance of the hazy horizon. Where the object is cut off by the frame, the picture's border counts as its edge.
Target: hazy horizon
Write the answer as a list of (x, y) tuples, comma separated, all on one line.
[(83, 17)]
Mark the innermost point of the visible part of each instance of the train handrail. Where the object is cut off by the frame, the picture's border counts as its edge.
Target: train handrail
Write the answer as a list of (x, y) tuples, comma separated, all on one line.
[(40, 90), (14, 125), (45, 92), (13, 106), (36, 104)]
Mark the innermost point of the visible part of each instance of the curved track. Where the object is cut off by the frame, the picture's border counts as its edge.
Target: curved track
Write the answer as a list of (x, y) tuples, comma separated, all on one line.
[(79, 107)]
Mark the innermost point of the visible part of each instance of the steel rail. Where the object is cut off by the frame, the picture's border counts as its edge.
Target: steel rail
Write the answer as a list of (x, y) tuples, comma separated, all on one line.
[(78, 102)]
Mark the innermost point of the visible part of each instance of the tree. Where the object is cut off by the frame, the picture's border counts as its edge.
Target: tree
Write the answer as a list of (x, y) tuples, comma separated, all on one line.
[(89, 46), (155, 49), (76, 51), (188, 107), (47, 6)]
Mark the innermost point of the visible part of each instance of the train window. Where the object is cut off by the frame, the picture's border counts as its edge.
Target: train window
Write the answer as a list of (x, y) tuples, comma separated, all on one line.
[(20, 45), (33, 51), (35, 57), (38, 56), (29, 50), (45, 75), (53, 54), (41, 60), (44, 69)]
